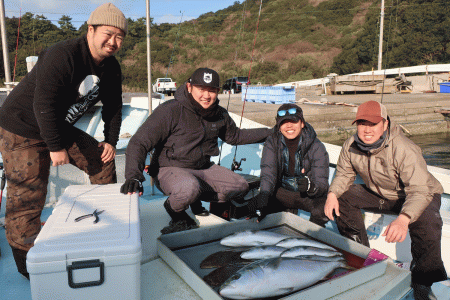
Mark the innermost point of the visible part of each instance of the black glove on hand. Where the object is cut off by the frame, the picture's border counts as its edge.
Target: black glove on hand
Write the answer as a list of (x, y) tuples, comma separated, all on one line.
[(132, 186), (306, 185), (303, 184), (257, 207)]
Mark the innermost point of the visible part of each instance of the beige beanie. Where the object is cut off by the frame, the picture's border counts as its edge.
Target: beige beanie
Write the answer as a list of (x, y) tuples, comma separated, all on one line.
[(110, 15)]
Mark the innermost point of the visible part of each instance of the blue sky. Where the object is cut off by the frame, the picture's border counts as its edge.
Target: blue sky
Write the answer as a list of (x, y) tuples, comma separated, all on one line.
[(79, 10)]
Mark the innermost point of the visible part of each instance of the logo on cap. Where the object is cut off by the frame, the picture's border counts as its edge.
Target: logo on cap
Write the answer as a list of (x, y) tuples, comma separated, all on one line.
[(207, 77)]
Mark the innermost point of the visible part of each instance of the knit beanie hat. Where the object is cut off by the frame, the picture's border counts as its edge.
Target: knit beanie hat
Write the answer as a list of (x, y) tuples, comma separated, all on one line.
[(108, 14)]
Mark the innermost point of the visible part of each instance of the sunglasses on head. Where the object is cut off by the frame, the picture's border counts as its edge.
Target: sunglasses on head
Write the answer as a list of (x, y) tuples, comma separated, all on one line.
[(290, 111)]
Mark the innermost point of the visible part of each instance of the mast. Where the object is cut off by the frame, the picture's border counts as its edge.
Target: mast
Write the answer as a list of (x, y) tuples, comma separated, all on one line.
[(380, 49), (149, 60), (5, 45)]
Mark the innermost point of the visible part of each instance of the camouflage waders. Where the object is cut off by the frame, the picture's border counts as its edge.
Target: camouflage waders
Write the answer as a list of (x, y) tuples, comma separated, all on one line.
[(27, 168)]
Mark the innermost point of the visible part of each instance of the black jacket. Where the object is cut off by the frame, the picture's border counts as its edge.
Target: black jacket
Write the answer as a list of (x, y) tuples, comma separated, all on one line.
[(314, 158), (62, 86), (182, 138)]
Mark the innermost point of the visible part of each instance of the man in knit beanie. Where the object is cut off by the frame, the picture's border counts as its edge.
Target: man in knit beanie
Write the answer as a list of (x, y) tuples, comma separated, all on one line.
[(37, 122)]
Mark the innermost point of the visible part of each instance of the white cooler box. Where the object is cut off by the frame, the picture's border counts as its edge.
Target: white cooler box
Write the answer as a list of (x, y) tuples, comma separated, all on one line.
[(87, 260)]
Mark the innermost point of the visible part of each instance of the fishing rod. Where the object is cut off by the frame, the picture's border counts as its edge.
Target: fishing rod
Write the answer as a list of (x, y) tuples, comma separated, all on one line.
[(236, 73), (236, 166)]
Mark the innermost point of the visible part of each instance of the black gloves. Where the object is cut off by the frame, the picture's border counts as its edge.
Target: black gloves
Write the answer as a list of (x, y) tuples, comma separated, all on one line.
[(257, 206), (303, 184), (132, 186), (306, 185)]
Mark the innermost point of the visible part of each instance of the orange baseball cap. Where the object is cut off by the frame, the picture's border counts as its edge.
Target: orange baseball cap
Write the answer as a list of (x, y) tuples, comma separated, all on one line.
[(371, 111)]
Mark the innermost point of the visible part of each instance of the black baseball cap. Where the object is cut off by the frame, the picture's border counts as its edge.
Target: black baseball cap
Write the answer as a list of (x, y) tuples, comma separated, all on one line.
[(205, 77), (289, 111)]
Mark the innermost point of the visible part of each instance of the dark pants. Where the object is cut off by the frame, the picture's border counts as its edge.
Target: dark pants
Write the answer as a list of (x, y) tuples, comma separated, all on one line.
[(27, 167), (427, 266), (296, 200), (184, 186)]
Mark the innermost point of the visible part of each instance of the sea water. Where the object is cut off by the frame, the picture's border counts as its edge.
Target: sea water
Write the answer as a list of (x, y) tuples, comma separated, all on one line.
[(435, 148)]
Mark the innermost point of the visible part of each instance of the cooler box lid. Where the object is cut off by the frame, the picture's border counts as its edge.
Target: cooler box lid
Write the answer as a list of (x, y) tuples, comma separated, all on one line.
[(117, 232)]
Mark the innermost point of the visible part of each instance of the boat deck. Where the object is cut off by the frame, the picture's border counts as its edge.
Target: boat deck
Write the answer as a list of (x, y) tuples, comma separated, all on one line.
[(153, 218)]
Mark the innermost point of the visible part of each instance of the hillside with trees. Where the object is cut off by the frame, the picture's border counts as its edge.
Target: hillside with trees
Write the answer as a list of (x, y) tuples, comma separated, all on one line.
[(287, 41)]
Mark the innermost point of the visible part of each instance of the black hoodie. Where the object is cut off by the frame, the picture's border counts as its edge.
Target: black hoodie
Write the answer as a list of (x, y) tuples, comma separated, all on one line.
[(60, 88), (183, 138)]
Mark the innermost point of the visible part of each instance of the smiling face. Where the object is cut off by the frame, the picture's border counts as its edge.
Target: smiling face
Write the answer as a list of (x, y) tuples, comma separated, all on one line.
[(104, 41), (291, 129), (369, 132), (204, 95)]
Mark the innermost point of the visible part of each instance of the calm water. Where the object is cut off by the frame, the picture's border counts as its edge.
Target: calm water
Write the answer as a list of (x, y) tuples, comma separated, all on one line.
[(435, 148)]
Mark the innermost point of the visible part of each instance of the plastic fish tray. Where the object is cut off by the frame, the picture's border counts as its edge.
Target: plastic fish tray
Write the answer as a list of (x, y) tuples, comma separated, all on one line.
[(184, 251)]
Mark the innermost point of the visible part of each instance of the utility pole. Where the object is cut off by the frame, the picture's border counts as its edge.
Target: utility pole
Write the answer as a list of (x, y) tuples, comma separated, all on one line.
[(5, 45), (149, 60), (380, 49)]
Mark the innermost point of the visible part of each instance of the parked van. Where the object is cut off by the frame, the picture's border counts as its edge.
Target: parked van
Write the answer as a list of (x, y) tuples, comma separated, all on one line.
[(234, 85)]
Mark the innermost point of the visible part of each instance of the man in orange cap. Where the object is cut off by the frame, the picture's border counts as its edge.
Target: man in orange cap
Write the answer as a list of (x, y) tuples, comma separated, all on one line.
[(396, 180)]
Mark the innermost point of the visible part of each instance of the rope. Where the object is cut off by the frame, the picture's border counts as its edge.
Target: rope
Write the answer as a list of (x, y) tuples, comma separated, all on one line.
[(17, 45), (249, 73)]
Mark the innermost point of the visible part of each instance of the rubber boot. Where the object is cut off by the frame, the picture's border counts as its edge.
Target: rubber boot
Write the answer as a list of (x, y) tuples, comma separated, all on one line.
[(423, 292), (20, 256), (180, 220), (321, 222), (358, 235), (198, 209)]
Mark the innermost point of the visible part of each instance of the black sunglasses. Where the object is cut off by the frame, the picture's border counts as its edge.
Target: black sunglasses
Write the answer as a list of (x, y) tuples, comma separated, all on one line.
[(290, 111)]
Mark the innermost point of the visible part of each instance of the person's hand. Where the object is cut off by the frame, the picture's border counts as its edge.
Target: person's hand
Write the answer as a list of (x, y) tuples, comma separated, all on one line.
[(306, 185), (332, 205), (132, 186), (254, 210), (59, 158), (303, 184), (259, 214), (109, 152), (397, 230)]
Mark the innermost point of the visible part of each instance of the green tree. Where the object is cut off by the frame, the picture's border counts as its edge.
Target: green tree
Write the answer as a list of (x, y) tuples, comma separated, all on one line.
[(65, 24)]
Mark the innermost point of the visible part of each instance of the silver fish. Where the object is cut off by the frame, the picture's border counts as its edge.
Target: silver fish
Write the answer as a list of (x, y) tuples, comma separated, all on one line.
[(263, 252), (322, 258), (253, 238), (307, 250), (294, 242), (276, 276)]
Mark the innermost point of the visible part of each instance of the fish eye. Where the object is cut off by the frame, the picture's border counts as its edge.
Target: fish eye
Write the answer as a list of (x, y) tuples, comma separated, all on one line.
[(235, 277)]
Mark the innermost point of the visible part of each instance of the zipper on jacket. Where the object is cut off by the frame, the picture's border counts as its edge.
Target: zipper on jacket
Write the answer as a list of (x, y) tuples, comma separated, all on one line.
[(376, 186)]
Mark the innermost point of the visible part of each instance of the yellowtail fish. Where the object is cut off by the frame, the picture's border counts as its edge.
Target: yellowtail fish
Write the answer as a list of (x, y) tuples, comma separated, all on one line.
[(295, 242), (253, 238), (263, 252), (307, 250), (276, 276)]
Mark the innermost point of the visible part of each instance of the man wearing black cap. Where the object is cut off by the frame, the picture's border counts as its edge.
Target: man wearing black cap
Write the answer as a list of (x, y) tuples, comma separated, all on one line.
[(294, 168), (184, 133)]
